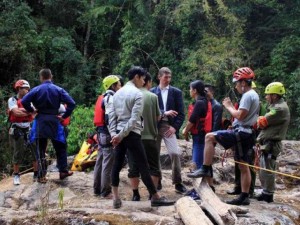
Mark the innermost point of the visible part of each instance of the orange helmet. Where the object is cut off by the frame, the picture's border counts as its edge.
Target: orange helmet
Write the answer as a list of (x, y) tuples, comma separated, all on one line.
[(243, 73), (21, 83)]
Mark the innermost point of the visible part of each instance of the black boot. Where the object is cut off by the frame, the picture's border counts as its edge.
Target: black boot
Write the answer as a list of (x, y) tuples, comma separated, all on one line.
[(204, 171), (265, 197), (243, 199), (136, 195), (235, 191)]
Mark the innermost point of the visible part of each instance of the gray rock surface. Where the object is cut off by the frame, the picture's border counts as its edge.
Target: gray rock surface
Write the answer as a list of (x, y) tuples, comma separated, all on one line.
[(32, 202)]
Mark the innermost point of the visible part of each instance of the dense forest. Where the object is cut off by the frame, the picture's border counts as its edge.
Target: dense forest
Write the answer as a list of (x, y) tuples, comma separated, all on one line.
[(82, 41)]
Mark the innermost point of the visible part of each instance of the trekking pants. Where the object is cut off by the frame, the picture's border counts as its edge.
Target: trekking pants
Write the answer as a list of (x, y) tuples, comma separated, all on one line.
[(103, 166), (271, 150)]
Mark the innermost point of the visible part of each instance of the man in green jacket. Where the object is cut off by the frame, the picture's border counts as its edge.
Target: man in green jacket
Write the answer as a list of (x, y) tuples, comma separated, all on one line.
[(273, 125)]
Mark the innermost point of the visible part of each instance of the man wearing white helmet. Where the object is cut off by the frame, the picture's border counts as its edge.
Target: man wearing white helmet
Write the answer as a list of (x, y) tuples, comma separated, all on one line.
[(273, 125), (19, 127)]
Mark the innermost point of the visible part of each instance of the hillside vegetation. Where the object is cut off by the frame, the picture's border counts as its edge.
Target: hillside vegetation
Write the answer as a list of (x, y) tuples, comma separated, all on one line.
[(82, 41)]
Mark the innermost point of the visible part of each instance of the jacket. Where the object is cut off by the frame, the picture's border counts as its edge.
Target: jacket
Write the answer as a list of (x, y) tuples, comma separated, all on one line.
[(174, 102)]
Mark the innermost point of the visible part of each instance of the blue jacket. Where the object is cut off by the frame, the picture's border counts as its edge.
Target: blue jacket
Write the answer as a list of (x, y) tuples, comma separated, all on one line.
[(174, 102), (46, 98)]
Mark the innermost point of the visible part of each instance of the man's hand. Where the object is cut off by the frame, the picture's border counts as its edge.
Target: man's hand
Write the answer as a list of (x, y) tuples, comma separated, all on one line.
[(227, 103), (185, 134), (60, 118), (115, 141), (171, 113), (170, 132)]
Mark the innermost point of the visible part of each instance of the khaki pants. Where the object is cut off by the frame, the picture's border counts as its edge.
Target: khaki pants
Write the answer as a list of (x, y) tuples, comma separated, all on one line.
[(267, 161), (173, 150)]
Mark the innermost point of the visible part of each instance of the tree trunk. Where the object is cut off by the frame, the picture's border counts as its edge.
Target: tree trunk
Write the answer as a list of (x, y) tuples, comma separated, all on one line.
[(191, 213)]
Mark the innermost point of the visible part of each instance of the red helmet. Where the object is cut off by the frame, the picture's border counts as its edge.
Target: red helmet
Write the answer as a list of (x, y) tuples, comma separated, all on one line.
[(21, 83), (244, 73)]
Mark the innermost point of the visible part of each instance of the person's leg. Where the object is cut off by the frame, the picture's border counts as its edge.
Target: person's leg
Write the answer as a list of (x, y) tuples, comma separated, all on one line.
[(153, 158), (119, 156), (133, 175), (245, 178), (237, 181), (209, 149), (136, 150), (268, 179), (244, 155), (198, 150), (97, 171), (174, 152), (106, 171), (158, 143), (15, 146), (253, 178), (41, 146), (106, 162), (61, 155), (31, 149)]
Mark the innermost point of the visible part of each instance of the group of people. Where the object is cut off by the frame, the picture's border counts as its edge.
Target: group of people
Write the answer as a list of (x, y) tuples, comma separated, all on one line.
[(132, 120), (47, 107)]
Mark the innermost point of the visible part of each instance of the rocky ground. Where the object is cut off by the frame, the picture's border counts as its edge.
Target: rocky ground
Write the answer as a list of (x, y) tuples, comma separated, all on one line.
[(33, 203)]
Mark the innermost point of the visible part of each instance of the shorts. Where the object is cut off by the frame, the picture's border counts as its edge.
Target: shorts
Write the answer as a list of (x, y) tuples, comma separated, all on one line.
[(23, 152), (228, 139)]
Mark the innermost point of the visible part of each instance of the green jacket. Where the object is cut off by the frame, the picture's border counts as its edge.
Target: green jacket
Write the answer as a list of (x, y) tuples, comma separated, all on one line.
[(278, 117)]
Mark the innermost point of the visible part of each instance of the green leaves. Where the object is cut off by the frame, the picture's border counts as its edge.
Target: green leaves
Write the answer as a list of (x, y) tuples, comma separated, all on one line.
[(81, 125)]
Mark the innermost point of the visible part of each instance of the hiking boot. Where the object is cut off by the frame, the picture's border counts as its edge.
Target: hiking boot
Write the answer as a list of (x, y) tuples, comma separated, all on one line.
[(234, 191), (117, 203), (42, 180), (63, 175), (239, 201), (17, 179), (162, 201), (180, 188), (202, 172), (136, 198), (265, 197)]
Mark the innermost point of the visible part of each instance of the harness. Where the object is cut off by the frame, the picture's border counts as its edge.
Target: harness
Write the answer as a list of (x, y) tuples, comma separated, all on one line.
[(269, 154)]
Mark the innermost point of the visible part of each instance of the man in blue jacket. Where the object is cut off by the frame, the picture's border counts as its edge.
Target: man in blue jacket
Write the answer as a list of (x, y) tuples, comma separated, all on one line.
[(172, 110), (45, 99)]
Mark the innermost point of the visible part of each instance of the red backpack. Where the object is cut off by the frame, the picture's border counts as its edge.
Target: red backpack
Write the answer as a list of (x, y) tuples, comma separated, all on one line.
[(206, 121)]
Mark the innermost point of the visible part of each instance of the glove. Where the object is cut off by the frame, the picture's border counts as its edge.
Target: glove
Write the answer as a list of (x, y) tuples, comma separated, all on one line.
[(262, 122)]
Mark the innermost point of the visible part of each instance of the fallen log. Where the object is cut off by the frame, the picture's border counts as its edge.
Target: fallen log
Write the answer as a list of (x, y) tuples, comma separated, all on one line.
[(190, 213), (221, 212)]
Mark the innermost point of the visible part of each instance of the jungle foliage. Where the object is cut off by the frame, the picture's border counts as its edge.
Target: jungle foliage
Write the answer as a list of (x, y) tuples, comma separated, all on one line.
[(82, 41)]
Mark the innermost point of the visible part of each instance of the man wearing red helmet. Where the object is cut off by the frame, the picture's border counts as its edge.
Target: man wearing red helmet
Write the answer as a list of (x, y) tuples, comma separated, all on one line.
[(19, 127), (241, 137)]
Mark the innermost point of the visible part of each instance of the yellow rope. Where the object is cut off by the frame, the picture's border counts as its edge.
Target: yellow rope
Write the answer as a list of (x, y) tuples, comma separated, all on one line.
[(260, 168)]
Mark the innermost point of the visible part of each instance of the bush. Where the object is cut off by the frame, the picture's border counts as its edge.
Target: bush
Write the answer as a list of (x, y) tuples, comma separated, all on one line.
[(81, 125)]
